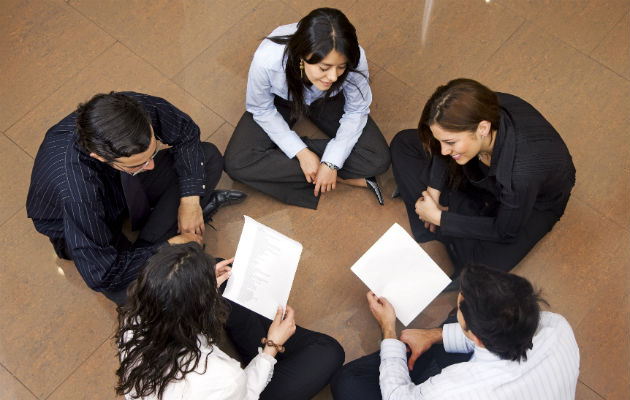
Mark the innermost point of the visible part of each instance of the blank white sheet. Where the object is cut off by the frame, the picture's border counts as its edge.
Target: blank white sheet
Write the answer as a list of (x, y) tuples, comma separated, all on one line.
[(397, 268)]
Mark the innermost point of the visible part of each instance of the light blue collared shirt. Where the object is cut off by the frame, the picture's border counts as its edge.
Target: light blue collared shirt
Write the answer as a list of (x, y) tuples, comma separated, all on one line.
[(267, 79)]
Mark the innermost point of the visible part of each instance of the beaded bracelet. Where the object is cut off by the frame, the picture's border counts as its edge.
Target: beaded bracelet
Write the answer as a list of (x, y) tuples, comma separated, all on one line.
[(269, 342)]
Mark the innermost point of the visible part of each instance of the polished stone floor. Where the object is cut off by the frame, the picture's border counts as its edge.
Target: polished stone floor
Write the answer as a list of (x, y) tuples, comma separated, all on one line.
[(568, 57)]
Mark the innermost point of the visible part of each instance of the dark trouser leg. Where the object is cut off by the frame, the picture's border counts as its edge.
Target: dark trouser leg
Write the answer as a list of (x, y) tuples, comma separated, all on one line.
[(370, 155), (309, 361), (252, 158), (359, 379), (410, 164), (162, 189), (502, 256)]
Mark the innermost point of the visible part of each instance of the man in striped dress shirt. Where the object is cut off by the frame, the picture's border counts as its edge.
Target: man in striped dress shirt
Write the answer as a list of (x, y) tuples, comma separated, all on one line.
[(500, 347), (105, 162)]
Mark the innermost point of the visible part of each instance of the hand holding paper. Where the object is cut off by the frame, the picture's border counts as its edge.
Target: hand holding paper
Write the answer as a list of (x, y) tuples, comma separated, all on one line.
[(263, 269), (397, 268)]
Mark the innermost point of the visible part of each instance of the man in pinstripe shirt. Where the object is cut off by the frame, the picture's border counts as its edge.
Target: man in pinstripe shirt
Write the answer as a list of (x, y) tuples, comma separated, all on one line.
[(501, 346), (104, 163)]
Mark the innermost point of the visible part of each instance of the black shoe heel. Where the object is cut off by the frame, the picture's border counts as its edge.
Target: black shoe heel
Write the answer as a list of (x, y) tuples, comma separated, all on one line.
[(372, 184)]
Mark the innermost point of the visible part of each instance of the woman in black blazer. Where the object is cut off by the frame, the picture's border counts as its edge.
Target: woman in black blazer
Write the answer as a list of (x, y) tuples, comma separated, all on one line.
[(484, 173)]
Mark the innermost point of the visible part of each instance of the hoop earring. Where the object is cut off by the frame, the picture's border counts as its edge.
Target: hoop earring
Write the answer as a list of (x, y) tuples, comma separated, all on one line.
[(302, 69)]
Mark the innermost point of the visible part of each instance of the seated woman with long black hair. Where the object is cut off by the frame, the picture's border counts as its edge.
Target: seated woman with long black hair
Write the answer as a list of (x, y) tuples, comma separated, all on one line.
[(169, 328), (312, 69), (484, 173)]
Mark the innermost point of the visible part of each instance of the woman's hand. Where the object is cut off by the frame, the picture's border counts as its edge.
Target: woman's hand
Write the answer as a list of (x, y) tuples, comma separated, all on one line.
[(384, 313), (419, 341), (309, 162), (280, 330), (429, 211), (326, 179), (222, 271)]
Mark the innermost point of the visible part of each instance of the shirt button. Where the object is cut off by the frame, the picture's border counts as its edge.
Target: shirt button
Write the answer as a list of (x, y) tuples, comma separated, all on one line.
[(202, 163), (203, 186)]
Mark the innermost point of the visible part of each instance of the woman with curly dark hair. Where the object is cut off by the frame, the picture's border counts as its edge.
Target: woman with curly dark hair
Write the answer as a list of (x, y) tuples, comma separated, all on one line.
[(485, 173), (314, 69), (168, 333)]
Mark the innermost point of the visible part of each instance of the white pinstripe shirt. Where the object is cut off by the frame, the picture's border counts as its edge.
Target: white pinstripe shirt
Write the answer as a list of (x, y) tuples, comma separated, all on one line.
[(550, 372)]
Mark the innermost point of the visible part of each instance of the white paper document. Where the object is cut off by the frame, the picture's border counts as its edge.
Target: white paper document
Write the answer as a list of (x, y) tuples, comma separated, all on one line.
[(263, 269), (397, 268)]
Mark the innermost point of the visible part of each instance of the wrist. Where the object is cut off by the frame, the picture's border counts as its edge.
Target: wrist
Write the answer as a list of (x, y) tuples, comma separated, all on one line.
[(330, 165), (389, 332), (189, 200), (270, 347), (436, 335)]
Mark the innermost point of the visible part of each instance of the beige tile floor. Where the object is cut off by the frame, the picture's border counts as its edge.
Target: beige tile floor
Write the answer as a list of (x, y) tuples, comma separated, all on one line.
[(567, 57)]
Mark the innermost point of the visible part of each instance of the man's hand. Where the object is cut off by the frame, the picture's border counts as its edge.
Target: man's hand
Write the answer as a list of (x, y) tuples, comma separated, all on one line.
[(309, 162), (190, 216), (222, 271), (419, 341), (384, 313), (185, 238), (326, 179)]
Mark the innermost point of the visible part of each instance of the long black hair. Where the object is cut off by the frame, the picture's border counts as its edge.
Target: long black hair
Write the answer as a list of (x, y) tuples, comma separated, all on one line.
[(173, 302), (320, 32)]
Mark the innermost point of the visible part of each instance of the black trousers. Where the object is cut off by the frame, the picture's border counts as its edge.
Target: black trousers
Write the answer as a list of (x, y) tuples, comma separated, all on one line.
[(410, 164), (359, 379), (251, 156), (310, 360), (160, 186)]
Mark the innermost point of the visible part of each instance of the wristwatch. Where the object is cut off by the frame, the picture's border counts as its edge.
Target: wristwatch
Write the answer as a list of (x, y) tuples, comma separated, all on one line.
[(330, 165)]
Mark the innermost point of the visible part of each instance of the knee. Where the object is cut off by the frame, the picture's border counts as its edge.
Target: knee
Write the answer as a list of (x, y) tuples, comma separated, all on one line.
[(211, 154), (402, 140), (346, 384), (330, 352)]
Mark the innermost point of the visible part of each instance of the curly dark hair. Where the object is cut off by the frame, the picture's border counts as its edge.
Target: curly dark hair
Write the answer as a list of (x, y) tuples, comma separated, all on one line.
[(172, 305), (320, 32), (501, 309)]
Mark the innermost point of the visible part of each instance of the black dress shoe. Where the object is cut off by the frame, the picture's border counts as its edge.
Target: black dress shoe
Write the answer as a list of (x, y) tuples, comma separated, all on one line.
[(220, 198), (372, 184)]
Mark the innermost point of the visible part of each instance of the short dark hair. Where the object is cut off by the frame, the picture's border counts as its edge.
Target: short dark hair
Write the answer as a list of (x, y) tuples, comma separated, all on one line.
[(113, 125), (501, 309), (173, 301), (320, 32)]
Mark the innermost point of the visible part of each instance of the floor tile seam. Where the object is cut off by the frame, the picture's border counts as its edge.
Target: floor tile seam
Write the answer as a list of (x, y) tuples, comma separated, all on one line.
[(591, 389), (99, 26), (17, 145), (216, 40), (569, 45), (55, 90), (503, 44), (218, 128), (79, 365), (596, 210), (122, 43), (18, 379), (2, 223), (613, 26)]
